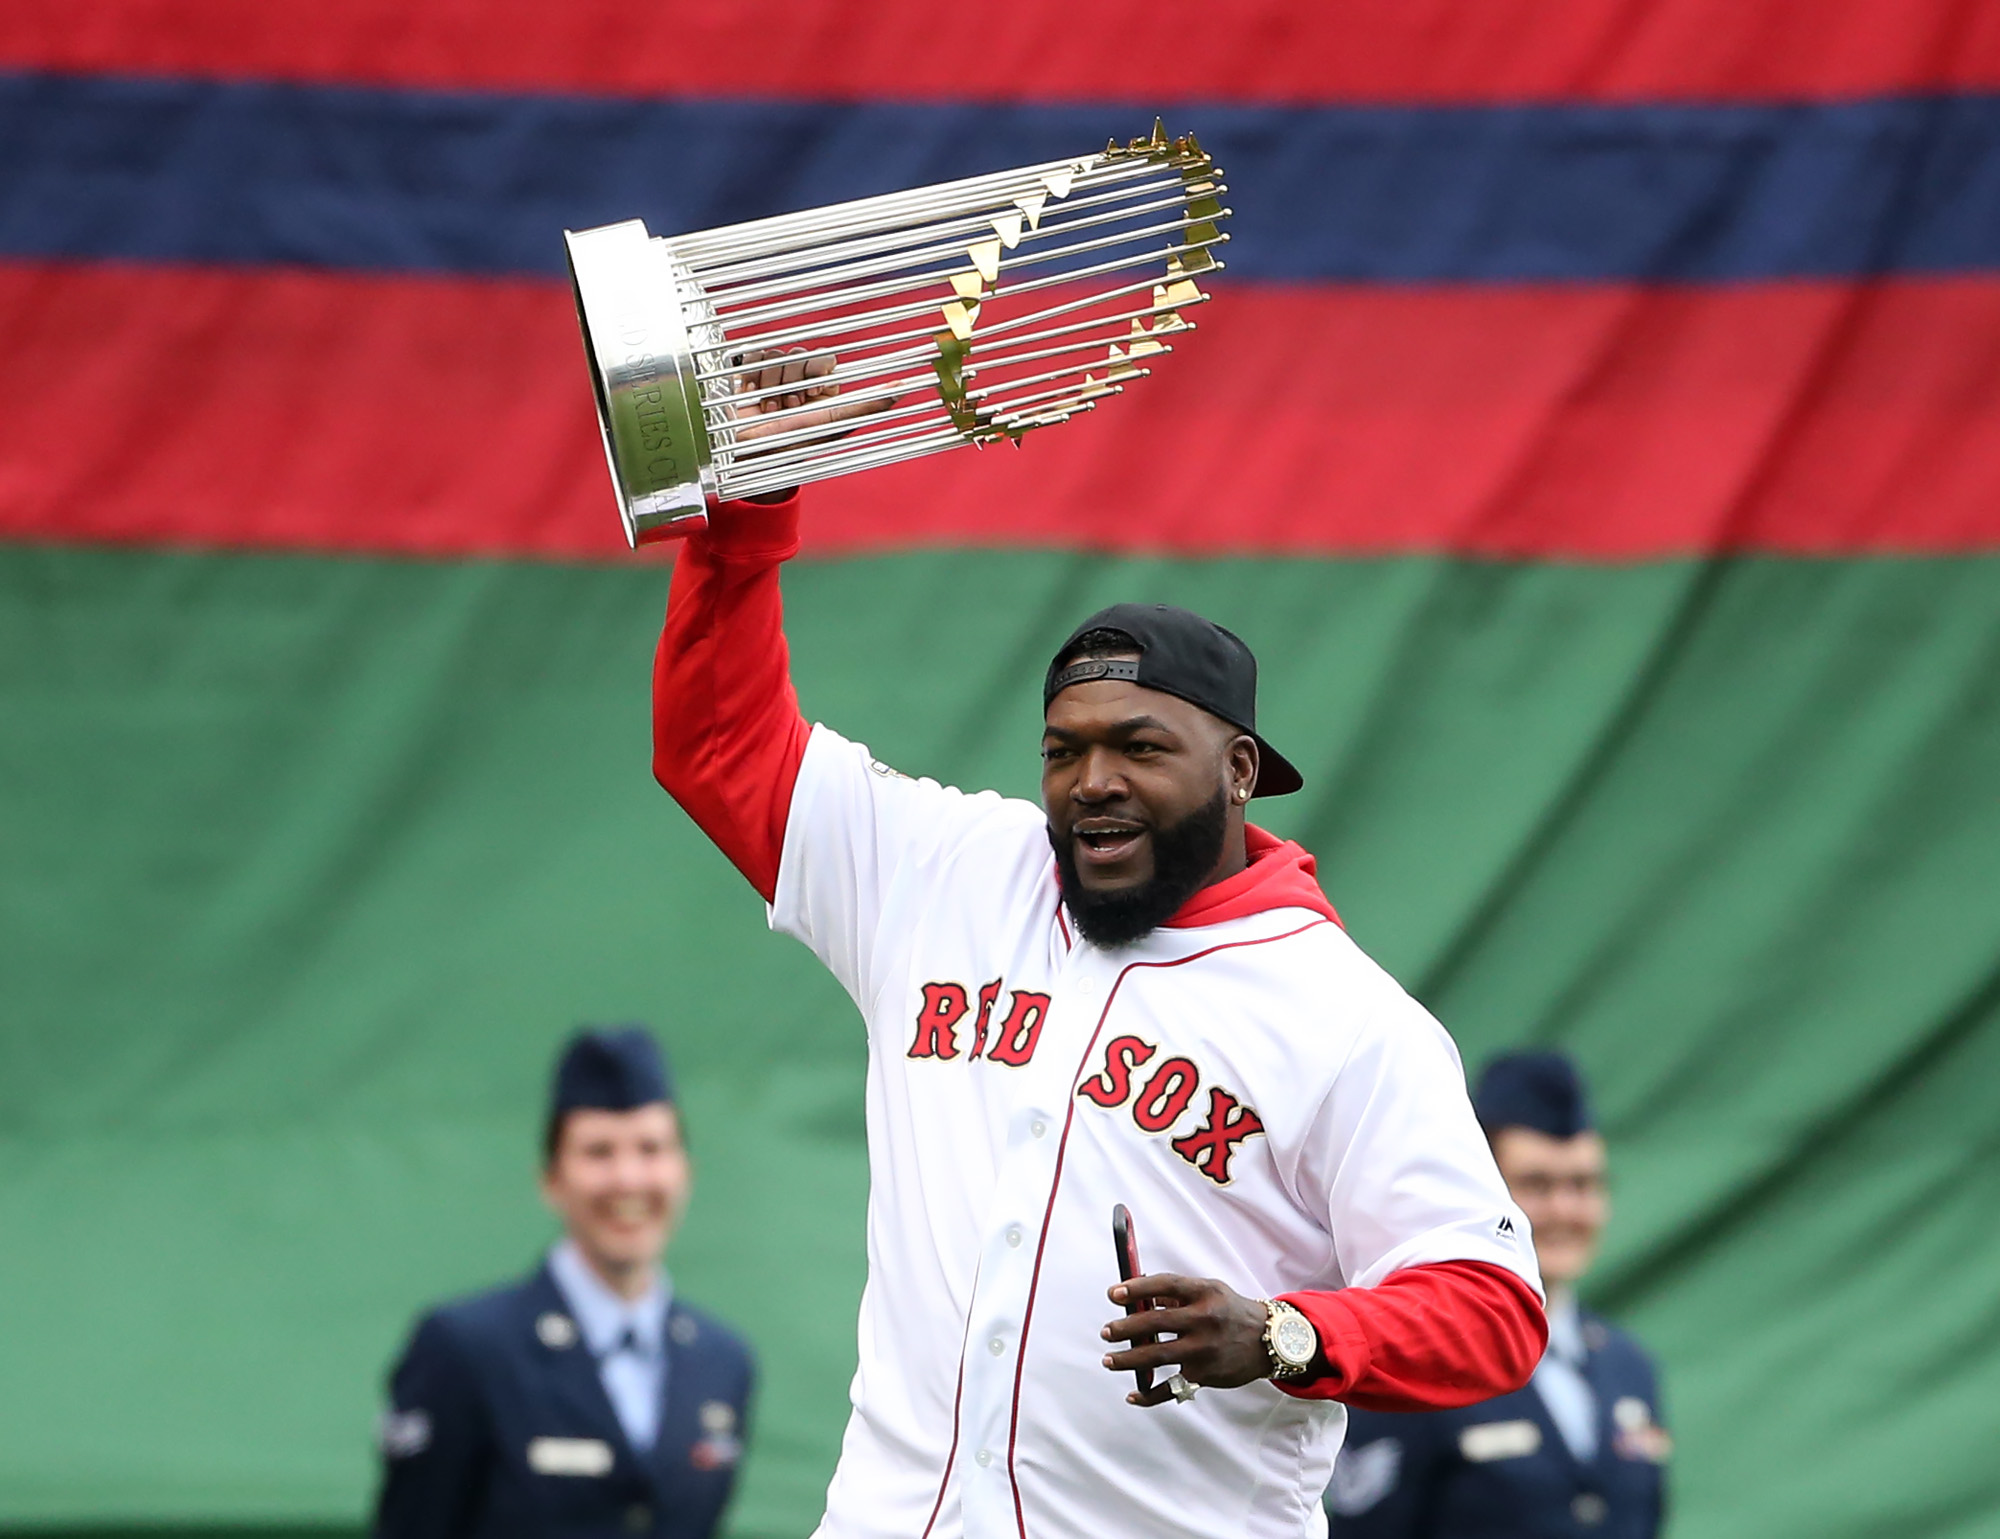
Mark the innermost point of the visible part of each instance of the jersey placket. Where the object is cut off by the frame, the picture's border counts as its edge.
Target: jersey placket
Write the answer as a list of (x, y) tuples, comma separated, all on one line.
[(995, 1376)]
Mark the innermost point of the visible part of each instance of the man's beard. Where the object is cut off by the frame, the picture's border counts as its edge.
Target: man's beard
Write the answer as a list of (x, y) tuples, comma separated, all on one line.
[(1183, 856)]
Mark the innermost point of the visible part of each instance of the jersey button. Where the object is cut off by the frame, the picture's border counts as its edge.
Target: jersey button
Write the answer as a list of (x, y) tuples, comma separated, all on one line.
[(1038, 1127), (1014, 1235), (996, 1346), (982, 1458), (638, 1518), (1589, 1509)]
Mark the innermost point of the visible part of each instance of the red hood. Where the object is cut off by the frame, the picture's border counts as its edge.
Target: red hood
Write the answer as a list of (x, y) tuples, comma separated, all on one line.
[(1280, 875)]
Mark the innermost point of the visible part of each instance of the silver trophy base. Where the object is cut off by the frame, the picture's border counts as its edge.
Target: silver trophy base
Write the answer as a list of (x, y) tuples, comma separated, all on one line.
[(643, 373)]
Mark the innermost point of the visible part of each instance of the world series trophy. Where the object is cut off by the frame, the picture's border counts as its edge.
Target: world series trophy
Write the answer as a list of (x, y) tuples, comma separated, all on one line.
[(969, 312)]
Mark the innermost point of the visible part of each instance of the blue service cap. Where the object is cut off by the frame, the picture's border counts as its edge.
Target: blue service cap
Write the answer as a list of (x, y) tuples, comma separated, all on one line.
[(610, 1068), (1542, 1091)]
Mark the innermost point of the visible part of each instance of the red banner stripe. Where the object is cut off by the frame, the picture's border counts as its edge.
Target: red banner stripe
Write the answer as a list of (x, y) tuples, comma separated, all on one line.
[(1141, 51), (315, 411)]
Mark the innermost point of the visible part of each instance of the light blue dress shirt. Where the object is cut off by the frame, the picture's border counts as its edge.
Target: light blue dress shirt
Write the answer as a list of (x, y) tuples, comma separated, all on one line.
[(628, 1337), (1559, 1378)]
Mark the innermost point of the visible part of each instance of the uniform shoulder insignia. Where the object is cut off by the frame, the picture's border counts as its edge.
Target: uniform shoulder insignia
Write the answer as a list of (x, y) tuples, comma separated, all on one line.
[(1363, 1476), (886, 771), (556, 1330), (403, 1434)]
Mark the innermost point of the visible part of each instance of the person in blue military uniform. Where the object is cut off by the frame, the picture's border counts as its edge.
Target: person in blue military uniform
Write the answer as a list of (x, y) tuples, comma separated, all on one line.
[(1580, 1452), (586, 1399)]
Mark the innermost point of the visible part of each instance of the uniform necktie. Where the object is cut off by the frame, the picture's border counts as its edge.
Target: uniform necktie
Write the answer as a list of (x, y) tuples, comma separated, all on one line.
[(1565, 1389)]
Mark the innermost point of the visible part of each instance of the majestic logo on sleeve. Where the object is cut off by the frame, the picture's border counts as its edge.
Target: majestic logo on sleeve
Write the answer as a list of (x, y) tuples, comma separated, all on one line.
[(944, 1011), (1160, 1099)]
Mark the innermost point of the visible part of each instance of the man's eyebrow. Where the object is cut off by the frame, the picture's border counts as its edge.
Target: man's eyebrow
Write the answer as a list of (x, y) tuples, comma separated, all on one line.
[(1130, 725)]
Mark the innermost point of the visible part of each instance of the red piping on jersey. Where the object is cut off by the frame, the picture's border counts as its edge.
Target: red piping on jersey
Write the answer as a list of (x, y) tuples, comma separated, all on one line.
[(957, 1401), (1055, 1185)]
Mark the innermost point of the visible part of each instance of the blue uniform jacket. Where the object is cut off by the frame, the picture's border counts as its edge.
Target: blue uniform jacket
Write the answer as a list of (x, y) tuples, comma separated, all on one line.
[(1501, 1470), (499, 1427)]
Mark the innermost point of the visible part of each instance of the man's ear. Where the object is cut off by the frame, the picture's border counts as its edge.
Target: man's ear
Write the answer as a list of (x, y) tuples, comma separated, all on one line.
[(1242, 760)]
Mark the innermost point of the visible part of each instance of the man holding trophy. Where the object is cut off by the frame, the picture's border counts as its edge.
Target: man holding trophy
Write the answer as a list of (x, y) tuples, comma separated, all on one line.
[(1125, 1000)]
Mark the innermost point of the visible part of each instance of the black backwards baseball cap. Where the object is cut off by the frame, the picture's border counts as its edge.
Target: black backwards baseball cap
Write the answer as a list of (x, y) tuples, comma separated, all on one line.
[(1180, 654), (1541, 1091)]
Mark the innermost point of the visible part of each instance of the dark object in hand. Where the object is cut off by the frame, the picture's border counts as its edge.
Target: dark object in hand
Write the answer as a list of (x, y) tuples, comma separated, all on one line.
[(1126, 1239)]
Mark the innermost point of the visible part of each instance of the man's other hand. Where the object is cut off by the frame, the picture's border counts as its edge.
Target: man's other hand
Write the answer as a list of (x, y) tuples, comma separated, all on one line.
[(1218, 1334), (782, 382)]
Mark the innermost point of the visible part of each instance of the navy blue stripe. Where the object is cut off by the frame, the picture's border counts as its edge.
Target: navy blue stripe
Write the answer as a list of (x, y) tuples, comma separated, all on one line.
[(197, 171)]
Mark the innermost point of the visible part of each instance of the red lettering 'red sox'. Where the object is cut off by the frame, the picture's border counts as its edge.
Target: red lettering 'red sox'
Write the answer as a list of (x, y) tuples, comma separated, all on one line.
[(945, 1005), (1164, 1095), (1209, 1146)]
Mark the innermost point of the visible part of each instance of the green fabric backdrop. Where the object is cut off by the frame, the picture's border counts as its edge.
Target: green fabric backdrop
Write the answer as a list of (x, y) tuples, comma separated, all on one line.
[(306, 864)]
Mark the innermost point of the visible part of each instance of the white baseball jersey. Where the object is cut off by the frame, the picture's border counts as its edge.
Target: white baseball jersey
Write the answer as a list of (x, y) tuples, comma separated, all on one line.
[(1275, 1111)]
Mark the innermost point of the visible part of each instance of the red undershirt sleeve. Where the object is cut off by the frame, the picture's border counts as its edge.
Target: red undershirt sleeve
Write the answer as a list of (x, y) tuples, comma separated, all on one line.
[(1424, 1339), (727, 734)]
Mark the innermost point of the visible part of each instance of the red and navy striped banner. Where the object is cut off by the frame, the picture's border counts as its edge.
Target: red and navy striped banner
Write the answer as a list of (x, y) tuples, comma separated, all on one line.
[(1599, 281)]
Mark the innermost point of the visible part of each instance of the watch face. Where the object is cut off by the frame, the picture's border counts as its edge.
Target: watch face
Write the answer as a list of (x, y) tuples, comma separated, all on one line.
[(1294, 1339)]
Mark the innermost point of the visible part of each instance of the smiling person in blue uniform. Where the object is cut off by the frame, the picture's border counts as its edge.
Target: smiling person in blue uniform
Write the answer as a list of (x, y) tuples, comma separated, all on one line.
[(1581, 1450), (585, 1399)]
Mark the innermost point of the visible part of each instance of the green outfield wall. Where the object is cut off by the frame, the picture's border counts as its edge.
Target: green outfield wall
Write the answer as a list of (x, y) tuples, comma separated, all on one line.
[(306, 864)]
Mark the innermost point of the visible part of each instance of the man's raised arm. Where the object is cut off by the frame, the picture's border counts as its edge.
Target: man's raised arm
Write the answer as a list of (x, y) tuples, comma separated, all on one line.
[(727, 733)]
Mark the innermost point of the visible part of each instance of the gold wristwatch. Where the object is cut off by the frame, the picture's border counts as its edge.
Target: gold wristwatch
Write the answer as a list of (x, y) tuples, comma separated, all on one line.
[(1289, 1339)]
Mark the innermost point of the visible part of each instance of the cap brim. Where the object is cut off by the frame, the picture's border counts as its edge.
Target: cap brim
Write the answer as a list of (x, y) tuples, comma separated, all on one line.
[(1275, 774)]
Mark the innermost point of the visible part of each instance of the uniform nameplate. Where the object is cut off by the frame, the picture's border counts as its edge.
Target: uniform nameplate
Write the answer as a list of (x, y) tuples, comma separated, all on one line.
[(569, 1456), (1492, 1440)]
